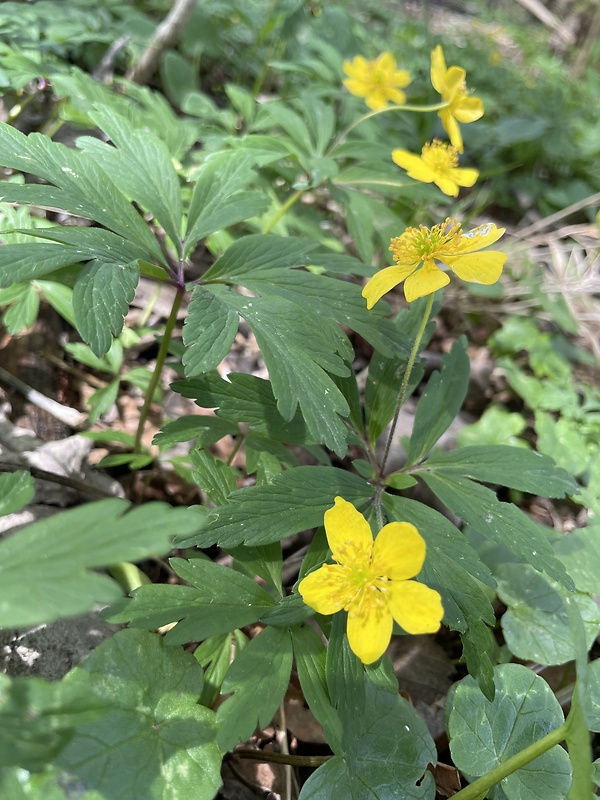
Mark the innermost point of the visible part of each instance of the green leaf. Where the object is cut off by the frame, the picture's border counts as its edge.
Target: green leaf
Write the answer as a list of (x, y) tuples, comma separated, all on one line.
[(216, 478), (520, 469), (218, 600), (290, 610), (495, 426), (259, 255), (264, 561), (484, 734), (44, 569), (22, 313), (258, 678), (37, 718), (578, 742), (580, 553), (244, 398), (478, 646), (208, 332), (101, 300), (82, 188), (218, 200), (592, 709), (16, 491), (60, 298), (386, 753), (299, 351), (563, 440), (440, 402), (345, 675), (310, 655), (292, 123), (140, 165), (536, 625), (295, 501), (214, 654), (24, 262), (452, 566), (208, 430), (155, 723), (504, 523)]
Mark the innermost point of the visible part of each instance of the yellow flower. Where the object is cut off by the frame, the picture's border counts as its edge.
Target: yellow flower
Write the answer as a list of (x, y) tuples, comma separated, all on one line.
[(370, 581), (446, 243), (450, 83), (438, 163), (378, 81)]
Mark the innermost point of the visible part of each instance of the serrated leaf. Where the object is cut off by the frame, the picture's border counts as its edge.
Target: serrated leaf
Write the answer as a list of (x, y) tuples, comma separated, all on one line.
[(140, 165), (208, 332), (244, 398), (37, 718), (218, 200), (216, 478), (24, 262), (440, 402), (520, 469), (478, 648), (298, 351), (22, 313), (259, 255), (292, 123), (89, 243), (16, 491), (82, 188), (155, 723), (258, 678), (579, 551), (536, 625), (101, 298), (452, 566), (42, 588), (504, 523), (218, 600), (295, 501), (290, 610), (208, 430), (484, 734), (386, 754)]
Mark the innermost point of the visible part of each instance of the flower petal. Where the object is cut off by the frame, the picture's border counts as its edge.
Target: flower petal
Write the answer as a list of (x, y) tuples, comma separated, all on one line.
[(357, 68), (464, 177), (424, 281), (414, 166), (415, 607), (369, 634), (468, 109), (327, 589), (438, 68), (483, 268), (399, 551), (454, 81), (396, 96), (479, 237), (357, 87), (375, 99), (446, 184), (385, 62), (450, 125), (348, 534), (384, 280)]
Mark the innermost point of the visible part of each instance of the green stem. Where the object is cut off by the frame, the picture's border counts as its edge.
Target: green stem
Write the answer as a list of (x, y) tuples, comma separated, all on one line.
[(479, 788), (409, 367), (268, 227), (160, 362), (418, 109), (282, 758)]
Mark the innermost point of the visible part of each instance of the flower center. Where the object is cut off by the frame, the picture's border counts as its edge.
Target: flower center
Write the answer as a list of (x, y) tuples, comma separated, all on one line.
[(379, 78), (368, 597), (440, 156), (425, 244)]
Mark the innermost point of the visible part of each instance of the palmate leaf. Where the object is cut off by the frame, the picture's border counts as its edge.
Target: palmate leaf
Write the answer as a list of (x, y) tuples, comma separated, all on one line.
[(299, 350), (156, 741), (258, 678), (218, 600), (218, 200), (248, 399), (208, 331), (80, 186), (140, 165), (45, 568), (484, 734), (264, 265), (23, 262), (101, 298), (295, 501), (504, 523), (16, 491)]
